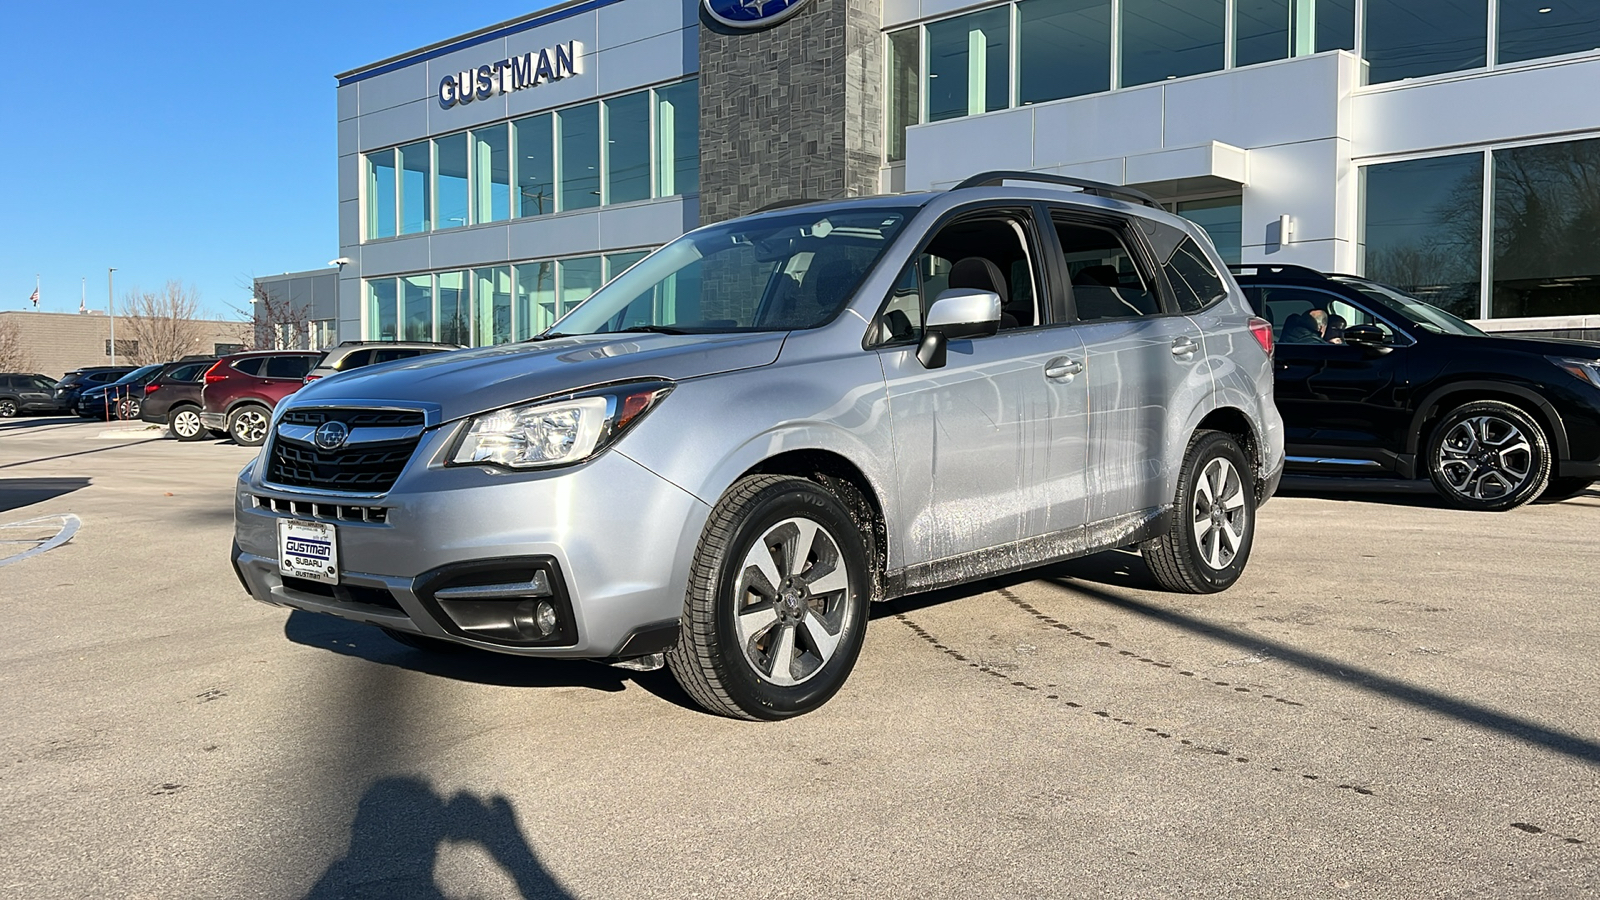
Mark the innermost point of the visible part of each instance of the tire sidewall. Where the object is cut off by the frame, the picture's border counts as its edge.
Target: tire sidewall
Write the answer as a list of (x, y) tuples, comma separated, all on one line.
[(1205, 449), (233, 424), (1538, 478), (753, 694), (199, 427)]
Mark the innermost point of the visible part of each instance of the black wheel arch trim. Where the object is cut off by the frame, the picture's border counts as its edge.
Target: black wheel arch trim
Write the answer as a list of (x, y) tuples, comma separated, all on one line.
[(1547, 415)]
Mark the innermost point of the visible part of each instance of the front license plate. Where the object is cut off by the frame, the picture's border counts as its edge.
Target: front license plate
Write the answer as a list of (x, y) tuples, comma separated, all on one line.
[(308, 550)]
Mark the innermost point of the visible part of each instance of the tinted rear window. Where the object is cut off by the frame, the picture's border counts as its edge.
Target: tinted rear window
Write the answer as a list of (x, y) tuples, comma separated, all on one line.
[(355, 360), (191, 372), (250, 365), (392, 355), (289, 366)]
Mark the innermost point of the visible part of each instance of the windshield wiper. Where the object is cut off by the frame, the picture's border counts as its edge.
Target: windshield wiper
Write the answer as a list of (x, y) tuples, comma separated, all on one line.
[(545, 337), (652, 329)]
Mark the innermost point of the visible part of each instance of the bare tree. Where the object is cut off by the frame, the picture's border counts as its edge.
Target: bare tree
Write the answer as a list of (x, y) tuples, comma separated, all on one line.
[(14, 354), (162, 325), (276, 323)]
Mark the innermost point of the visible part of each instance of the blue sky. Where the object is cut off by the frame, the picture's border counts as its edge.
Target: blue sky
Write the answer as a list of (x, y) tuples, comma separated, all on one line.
[(183, 140)]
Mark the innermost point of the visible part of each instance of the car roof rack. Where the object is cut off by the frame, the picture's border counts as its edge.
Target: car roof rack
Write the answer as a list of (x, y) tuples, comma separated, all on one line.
[(785, 204), (1094, 188), (1285, 269)]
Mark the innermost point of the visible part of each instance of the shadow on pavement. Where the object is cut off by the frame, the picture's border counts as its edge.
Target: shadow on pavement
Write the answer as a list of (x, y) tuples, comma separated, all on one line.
[(34, 422), (1390, 491), (476, 666), (400, 826), (116, 446), (16, 493)]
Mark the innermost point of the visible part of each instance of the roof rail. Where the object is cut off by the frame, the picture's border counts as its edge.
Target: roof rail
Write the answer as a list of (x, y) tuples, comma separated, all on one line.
[(1285, 269), (785, 204), (1096, 188)]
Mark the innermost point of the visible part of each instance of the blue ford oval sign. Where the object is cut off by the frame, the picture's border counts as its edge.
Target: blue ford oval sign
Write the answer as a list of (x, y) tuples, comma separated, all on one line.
[(749, 14)]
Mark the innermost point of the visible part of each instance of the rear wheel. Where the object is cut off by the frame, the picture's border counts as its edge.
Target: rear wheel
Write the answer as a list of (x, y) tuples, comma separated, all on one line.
[(8, 408), (1488, 456), (1565, 489), (777, 602), (248, 424), (184, 424), (1213, 519)]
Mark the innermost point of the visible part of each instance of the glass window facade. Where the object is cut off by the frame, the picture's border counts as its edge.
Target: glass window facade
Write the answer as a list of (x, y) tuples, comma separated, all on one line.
[(1222, 218), (1423, 229), (1530, 29), (969, 64), (905, 89), (517, 169), (1546, 230), (1164, 39), (1064, 49), (628, 148), (1412, 38), (489, 305)]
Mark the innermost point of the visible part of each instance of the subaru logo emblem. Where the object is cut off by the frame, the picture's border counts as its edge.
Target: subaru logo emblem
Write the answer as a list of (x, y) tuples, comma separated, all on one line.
[(331, 435), (750, 14)]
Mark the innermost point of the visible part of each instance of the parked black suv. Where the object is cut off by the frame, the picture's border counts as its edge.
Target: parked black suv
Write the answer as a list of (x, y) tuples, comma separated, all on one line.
[(21, 393), (1371, 381), (172, 398), (73, 383)]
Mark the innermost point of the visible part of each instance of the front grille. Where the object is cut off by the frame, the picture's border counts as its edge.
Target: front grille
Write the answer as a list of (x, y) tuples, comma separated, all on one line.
[(357, 467), (355, 418), (327, 512)]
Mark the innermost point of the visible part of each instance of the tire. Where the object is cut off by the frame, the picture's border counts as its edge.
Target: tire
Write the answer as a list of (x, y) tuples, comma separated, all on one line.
[(128, 408), (1561, 489), (1488, 456), (248, 425), (753, 650), (8, 408), (424, 643), (184, 424), (1209, 543)]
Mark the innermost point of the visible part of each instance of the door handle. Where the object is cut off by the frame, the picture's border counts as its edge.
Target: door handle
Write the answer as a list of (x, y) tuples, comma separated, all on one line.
[(1183, 347), (1062, 368)]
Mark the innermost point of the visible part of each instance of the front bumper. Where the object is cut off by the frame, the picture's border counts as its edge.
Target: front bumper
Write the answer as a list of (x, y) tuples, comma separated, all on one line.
[(615, 539)]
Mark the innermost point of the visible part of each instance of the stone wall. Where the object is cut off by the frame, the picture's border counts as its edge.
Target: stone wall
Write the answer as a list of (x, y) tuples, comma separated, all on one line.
[(793, 111)]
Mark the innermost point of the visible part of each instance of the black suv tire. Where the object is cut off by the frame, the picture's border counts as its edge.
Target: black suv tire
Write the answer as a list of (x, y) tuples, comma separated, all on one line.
[(748, 655), (1488, 456)]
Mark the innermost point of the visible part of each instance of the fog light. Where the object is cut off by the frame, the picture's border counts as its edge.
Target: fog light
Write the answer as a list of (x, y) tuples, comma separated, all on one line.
[(544, 616)]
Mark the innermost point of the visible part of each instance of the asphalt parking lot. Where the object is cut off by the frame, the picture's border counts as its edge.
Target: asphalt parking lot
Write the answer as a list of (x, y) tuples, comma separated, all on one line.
[(1396, 700)]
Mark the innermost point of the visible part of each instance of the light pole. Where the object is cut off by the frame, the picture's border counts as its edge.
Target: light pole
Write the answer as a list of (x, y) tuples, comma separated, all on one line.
[(111, 308)]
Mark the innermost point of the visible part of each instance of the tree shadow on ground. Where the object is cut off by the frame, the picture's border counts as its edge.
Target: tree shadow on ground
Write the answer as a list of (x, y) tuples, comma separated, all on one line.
[(401, 825), (471, 665), (16, 493)]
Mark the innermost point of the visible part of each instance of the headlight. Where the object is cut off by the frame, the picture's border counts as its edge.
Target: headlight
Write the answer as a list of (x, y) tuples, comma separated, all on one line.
[(1586, 369), (557, 432)]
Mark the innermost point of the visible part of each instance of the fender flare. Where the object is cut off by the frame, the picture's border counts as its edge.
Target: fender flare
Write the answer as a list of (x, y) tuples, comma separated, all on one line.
[(1544, 411)]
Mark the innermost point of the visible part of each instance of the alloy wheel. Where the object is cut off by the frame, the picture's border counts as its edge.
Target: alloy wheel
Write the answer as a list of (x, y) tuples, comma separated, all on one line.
[(792, 594), (1485, 458), (186, 424), (250, 427), (8, 408), (1219, 517)]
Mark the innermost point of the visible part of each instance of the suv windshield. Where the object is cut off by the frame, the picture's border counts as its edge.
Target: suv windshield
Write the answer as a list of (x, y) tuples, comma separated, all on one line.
[(771, 274), (1425, 315), (137, 374)]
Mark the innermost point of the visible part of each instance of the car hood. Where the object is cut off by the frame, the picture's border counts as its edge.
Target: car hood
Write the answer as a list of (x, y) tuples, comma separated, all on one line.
[(1542, 346), (467, 382)]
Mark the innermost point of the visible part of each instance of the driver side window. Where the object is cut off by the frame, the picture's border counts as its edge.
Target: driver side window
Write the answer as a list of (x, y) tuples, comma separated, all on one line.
[(988, 253)]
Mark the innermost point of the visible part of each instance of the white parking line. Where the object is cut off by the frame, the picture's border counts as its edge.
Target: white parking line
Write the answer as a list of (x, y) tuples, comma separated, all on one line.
[(68, 527)]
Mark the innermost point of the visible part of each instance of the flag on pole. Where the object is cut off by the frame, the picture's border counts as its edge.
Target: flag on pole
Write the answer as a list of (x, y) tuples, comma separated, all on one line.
[(35, 298)]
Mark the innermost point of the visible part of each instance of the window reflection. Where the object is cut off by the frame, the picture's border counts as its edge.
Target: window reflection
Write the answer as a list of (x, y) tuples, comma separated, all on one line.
[(1065, 48), (1222, 219), (454, 315), (536, 298), (491, 162), (414, 205), (1530, 29), (579, 278), (491, 291), (416, 301), (628, 148), (380, 309), (380, 194), (968, 60), (450, 182), (1546, 230), (1424, 228), (905, 84), (580, 156), (1412, 38), (1164, 39), (678, 139), (536, 166)]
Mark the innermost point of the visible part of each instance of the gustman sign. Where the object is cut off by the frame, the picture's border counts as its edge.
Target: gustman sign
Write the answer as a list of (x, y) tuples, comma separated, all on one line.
[(531, 69)]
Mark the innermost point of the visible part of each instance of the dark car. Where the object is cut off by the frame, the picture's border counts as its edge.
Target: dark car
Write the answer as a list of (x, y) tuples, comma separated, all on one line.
[(25, 393), (172, 398), (1408, 391), (241, 390), (73, 383), (356, 354), (118, 399)]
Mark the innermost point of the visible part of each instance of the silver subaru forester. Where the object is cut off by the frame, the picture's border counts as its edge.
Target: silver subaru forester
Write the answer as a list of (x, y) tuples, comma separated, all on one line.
[(723, 456)]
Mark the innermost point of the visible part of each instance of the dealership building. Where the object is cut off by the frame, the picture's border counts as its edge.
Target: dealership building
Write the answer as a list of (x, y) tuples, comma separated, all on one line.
[(489, 182)]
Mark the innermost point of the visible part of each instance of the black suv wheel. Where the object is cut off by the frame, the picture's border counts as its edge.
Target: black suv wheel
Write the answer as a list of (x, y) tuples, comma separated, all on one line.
[(1488, 456)]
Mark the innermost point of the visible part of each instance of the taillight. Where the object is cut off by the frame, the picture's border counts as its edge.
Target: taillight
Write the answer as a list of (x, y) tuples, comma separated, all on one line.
[(311, 378), (1261, 330), (214, 374), (151, 388)]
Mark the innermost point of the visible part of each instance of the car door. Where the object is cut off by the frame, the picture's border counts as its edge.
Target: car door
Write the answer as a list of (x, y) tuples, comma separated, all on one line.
[(34, 392), (1139, 356), (1343, 405), (283, 375), (989, 447)]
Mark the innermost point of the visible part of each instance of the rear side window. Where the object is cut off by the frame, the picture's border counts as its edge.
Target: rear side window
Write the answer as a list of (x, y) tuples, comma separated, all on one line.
[(1106, 283), (379, 356), (188, 373), (1195, 284), (7, 383), (289, 366), (355, 360), (250, 365)]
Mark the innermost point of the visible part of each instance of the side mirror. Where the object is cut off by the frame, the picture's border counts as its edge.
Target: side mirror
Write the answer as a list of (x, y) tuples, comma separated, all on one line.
[(1368, 337), (956, 314)]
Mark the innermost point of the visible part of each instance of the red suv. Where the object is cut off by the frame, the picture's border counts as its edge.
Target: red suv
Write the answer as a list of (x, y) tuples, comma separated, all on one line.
[(241, 390)]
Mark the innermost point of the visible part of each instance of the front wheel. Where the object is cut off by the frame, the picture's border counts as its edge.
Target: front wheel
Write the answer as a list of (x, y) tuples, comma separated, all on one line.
[(1488, 456), (128, 408), (1213, 519), (184, 424), (248, 425), (8, 408), (777, 602)]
